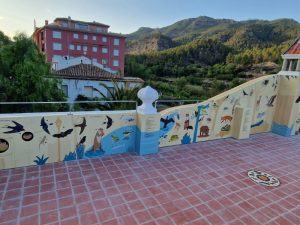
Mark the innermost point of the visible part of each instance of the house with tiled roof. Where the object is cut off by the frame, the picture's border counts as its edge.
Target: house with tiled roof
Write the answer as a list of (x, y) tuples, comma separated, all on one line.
[(291, 59), (82, 76)]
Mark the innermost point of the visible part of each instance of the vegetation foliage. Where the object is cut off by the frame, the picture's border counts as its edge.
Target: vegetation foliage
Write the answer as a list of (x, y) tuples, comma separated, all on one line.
[(25, 76), (211, 55)]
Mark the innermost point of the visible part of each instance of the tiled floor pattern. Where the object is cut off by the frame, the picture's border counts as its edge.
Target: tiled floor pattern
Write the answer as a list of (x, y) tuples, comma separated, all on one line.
[(203, 183)]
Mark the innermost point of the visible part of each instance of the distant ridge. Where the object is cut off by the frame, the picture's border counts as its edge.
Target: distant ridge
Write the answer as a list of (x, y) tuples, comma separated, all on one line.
[(241, 34)]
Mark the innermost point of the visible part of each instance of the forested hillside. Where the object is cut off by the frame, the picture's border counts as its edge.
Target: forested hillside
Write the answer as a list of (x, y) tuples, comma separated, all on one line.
[(201, 57)]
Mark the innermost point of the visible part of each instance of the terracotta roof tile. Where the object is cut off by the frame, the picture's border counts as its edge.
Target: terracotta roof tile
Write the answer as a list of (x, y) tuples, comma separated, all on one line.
[(91, 72), (294, 48), (85, 71)]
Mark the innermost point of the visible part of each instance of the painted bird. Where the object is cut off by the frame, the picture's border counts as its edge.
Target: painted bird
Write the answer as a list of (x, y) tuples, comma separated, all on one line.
[(14, 129), (63, 134), (109, 122), (166, 121), (82, 140), (44, 125), (81, 125)]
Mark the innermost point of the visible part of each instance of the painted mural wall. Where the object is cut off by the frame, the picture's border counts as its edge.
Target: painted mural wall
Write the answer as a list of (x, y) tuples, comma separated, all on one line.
[(267, 104), (36, 139), (239, 112)]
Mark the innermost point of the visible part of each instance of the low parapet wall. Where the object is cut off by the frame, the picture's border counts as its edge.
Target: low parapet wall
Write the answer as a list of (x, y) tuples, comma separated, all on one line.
[(38, 138), (269, 103)]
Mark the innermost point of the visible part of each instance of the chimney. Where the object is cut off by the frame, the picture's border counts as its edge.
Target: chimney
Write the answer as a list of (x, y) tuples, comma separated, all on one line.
[(46, 22)]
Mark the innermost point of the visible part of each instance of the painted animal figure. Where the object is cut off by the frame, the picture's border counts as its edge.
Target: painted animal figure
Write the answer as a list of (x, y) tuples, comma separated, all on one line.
[(97, 139), (63, 134), (14, 129), (226, 119), (258, 101), (44, 125), (271, 101), (166, 121), (204, 131), (187, 125), (81, 125)]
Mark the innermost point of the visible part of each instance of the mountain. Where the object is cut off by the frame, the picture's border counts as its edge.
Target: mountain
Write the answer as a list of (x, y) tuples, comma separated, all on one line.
[(241, 34), (153, 42), (198, 58)]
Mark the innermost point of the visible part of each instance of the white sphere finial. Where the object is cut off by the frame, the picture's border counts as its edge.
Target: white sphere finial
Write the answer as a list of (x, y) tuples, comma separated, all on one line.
[(148, 95)]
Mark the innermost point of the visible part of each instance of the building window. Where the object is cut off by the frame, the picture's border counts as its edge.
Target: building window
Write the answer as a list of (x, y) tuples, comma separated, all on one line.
[(64, 88), (88, 91), (100, 29), (57, 46), (72, 47), (104, 61), (116, 52), (81, 26), (104, 39), (85, 37), (75, 36), (78, 47), (116, 63), (94, 37), (56, 34), (94, 60), (116, 41), (95, 49), (104, 50), (85, 48), (65, 24)]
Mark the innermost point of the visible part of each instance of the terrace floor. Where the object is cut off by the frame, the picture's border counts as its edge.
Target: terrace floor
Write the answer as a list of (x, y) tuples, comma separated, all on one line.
[(203, 183)]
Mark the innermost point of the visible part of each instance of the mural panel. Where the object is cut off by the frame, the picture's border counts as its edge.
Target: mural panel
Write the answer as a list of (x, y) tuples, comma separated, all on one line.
[(36, 139)]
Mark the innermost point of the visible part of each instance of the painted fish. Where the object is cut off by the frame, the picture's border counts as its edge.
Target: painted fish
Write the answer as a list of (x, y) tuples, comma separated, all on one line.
[(127, 133), (127, 118), (226, 127), (260, 115), (174, 137), (115, 138)]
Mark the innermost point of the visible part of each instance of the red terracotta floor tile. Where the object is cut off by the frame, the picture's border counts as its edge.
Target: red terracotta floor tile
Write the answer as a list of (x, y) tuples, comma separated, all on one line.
[(204, 183)]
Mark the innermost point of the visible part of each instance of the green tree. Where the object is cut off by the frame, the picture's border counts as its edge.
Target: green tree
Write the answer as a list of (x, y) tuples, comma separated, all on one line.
[(25, 76)]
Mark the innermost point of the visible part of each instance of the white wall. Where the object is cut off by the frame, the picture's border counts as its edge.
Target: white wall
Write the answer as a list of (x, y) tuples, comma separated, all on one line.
[(76, 87)]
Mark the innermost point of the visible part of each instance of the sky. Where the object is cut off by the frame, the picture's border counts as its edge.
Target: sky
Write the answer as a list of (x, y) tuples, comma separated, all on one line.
[(126, 16)]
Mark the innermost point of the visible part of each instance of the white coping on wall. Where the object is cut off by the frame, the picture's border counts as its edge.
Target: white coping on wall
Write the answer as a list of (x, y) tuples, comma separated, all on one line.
[(77, 113), (290, 73), (291, 56)]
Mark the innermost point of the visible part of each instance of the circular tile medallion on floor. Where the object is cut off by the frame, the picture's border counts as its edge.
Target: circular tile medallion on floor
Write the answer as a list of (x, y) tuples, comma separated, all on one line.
[(263, 178)]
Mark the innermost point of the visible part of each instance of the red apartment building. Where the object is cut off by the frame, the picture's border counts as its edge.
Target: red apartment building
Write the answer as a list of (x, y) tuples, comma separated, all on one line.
[(71, 38)]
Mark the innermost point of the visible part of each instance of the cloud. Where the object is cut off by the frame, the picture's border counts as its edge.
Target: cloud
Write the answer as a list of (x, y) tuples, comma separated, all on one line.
[(2, 18)]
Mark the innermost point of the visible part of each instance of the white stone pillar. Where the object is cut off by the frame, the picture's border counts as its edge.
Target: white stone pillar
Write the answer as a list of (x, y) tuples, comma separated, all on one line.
[(148, 122)]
